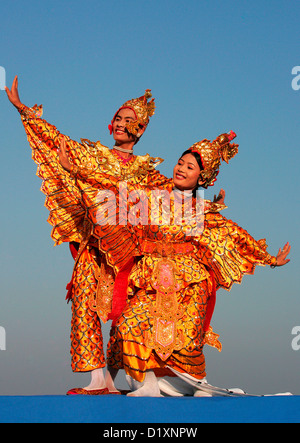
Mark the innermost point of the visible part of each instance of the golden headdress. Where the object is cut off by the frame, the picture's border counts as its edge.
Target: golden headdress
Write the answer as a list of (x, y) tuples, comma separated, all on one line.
[(143, 111), (212, 153)]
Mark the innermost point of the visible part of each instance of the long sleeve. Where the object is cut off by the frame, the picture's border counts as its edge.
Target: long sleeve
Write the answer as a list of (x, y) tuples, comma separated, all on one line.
[(229, 250), (67, 215)]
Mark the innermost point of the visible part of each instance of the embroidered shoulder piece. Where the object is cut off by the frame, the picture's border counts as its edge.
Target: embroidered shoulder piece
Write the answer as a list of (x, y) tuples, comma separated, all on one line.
[(109, 163)]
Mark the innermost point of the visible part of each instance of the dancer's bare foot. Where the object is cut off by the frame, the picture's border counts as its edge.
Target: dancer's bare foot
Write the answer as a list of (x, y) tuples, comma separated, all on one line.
[(110, 376), (149, 387), (97, 380)]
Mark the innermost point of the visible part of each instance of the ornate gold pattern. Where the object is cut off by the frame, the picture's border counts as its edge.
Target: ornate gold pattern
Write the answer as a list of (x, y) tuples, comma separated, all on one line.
[(223, 246), (143, 111), (34, 112), (86, 335), (211, 339), (229, 250), (166, 249), (101, 301), (164, 337), (109, 163), (212, 153)]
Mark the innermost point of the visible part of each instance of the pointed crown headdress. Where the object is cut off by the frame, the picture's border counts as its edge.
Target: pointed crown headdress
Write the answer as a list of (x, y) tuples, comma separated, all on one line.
[(212, 153), (143, 110)]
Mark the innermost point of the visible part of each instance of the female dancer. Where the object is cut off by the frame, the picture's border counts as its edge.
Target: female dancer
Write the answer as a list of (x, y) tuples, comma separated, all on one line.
[(171, 294)]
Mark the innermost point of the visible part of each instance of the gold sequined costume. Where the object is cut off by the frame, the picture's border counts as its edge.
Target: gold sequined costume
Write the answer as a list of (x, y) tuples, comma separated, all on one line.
[(92, 286), (153, 335), (166, 321)]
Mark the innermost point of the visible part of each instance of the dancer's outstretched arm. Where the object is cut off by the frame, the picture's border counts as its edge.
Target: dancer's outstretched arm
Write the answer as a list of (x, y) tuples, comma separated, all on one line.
[(63, 198)]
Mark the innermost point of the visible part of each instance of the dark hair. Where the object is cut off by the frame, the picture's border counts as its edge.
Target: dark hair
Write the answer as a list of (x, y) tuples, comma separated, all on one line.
[(199, 161), (197, 157)]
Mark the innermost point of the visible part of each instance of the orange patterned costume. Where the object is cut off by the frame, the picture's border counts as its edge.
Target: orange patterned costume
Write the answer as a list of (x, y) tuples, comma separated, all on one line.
[(166, 322), (92, 284), (170, 299), (143, 339)]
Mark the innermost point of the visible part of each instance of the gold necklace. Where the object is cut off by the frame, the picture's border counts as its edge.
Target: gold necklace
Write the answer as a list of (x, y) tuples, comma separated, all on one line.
[(117, 148)]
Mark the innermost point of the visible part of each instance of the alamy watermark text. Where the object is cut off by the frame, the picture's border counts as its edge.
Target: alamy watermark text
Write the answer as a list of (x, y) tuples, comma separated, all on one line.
[(296, 339)]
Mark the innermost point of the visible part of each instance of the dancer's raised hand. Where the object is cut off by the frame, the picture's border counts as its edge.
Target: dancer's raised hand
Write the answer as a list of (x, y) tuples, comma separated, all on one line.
[(220, 198), (13, 93), (281, 258)]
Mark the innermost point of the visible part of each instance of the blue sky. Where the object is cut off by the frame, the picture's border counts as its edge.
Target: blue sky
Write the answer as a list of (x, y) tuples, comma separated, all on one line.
[(212, 66)]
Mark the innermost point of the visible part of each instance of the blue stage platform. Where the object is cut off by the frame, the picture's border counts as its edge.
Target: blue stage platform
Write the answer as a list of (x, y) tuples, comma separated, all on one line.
[(122, 409)]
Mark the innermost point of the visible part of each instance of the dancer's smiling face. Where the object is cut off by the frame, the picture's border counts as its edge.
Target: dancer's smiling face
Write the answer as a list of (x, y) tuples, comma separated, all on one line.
[(120, 133), (186, 173)]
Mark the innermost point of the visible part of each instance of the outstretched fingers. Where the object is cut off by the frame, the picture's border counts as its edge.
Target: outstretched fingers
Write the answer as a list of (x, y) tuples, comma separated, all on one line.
[(13, 93), (282, 255)]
